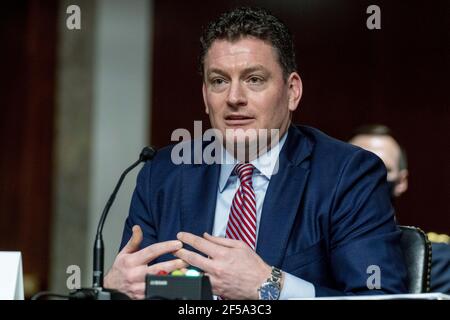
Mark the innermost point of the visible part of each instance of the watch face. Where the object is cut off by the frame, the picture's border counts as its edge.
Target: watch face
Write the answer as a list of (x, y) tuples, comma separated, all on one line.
[(269, 291)]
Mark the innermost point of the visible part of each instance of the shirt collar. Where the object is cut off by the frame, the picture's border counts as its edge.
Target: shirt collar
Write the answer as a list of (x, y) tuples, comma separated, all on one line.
[(265, 164)]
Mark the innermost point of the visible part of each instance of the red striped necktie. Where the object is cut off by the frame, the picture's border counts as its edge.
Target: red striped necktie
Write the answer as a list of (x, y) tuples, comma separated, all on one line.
[(242, 219)]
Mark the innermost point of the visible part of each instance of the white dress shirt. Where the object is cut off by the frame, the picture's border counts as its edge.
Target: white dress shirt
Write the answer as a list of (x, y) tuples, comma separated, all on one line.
[(265, 166)]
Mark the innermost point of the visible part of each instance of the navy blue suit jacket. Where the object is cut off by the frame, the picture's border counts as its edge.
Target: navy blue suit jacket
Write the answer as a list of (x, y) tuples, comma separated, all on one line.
[(326, 215), (440, 268)]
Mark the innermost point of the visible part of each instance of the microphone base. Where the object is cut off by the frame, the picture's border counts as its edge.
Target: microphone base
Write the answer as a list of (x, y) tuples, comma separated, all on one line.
[(97, 294)]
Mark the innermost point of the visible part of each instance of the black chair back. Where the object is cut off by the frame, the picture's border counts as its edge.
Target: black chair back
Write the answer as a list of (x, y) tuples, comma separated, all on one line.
[(417, 253)]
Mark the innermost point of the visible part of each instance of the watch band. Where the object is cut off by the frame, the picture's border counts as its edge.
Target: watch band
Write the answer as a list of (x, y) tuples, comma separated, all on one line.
[(271, 289), (275, 276)]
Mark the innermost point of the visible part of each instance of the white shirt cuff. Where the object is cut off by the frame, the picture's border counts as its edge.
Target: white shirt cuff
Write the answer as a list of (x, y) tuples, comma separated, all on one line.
[(294, 287)]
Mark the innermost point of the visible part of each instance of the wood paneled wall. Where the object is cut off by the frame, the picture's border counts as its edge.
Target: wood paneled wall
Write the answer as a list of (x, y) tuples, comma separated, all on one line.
[(27, 87)]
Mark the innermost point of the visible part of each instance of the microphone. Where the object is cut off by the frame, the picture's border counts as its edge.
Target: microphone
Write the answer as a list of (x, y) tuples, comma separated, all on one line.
[(147, 153), (97, 291)]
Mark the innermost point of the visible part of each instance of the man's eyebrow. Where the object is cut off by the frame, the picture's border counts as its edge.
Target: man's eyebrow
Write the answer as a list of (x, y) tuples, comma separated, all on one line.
[(254, 68), (216, 70), (245, 72)]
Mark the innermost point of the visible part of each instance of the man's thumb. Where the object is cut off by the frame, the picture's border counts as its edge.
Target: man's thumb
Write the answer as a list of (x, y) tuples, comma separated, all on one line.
[(135, 240)]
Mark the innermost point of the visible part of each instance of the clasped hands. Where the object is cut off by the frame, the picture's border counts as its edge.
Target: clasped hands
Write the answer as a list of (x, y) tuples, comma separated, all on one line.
[(234, 269)]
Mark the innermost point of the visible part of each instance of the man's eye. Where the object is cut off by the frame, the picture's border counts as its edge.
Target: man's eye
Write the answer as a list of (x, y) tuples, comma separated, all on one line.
[(255, 80), (217, 81)]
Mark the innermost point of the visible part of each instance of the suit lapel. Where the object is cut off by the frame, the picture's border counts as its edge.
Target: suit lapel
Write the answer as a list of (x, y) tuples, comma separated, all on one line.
[(283, 196)]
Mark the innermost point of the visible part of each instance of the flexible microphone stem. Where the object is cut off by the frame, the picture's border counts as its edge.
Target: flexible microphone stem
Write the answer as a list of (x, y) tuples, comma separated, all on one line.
[(99, 247)]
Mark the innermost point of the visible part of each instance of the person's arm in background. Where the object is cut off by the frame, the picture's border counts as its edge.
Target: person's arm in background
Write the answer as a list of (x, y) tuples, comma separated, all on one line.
[(440, 268)]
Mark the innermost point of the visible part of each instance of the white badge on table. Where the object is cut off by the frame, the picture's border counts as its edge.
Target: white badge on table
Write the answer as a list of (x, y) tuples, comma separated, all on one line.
[(11, 276)]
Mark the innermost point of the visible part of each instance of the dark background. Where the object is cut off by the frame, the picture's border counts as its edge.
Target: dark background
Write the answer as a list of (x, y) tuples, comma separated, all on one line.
[(397, 76), (28, 38)]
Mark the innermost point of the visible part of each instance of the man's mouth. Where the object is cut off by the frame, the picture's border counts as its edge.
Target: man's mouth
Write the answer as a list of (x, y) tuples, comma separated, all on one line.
[(238, 120)]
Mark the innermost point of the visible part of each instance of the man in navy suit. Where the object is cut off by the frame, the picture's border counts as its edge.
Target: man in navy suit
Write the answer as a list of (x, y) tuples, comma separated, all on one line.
[(316, 221)]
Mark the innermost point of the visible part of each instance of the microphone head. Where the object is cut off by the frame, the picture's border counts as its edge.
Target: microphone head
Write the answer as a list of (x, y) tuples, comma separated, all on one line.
[(148, 153)]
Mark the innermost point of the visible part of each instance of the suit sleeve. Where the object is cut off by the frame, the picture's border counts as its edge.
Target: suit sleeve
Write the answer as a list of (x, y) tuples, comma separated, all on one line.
[(440, 268), (140, 210), (364, 250)]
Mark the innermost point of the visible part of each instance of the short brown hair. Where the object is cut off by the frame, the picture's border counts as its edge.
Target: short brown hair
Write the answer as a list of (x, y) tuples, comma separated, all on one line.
[(253, 22)]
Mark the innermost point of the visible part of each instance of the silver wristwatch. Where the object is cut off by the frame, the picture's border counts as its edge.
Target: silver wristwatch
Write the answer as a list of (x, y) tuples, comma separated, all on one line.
[(271, 289)]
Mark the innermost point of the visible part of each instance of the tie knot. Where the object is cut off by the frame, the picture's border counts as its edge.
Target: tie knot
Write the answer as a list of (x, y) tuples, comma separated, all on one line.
[(245, 172)]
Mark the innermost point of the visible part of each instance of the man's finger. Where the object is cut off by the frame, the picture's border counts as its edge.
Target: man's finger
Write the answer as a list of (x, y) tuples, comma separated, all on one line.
[(135, 240), (195, 259), (205, 246), (153, 251), (167, 266), (225, 242)]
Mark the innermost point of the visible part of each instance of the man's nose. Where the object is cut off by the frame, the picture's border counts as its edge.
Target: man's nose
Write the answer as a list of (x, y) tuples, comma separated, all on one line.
[(236, 95)]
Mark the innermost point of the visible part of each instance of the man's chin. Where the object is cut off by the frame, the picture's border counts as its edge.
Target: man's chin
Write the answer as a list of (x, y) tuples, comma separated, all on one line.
[(243, 147), (241, 136), (240, 132), (246, 140)]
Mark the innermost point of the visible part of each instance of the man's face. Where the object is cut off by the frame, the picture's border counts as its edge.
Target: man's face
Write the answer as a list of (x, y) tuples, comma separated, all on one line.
[(387, 149), (244, 87)]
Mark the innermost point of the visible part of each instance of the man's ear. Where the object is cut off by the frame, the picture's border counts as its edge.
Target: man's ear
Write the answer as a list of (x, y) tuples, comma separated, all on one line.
[(204, 97), (402, 184), (295, 90)]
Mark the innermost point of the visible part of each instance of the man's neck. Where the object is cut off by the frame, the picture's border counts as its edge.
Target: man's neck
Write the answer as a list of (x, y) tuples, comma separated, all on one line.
[(248, 151)]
